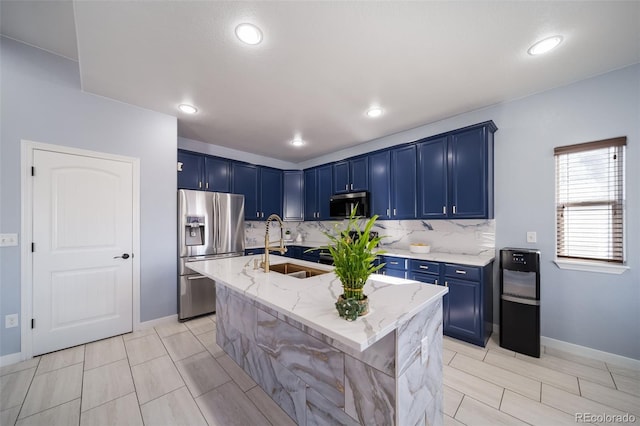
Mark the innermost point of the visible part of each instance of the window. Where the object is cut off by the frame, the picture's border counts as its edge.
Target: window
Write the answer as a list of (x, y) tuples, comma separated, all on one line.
[(590, 201)]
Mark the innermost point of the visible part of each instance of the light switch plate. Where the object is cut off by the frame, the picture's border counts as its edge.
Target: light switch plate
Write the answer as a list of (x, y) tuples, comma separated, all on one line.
[(424, 349), (532, 237), (8, 240), (11, 321)]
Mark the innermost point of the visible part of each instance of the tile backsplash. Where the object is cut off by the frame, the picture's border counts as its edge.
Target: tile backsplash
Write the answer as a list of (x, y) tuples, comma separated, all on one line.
[(468, 236)]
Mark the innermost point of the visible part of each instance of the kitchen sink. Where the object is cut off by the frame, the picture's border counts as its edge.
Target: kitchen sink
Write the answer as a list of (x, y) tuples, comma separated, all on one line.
[(296, 271)]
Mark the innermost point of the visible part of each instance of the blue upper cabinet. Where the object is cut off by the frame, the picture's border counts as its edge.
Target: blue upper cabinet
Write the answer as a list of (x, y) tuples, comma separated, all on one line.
[(244, 180), (351, 175), (217, 174), (317, 192), (379, 180), (403, 182), (455, 174), (270, 197), (471, 173), (432, 178), (293, 204), (340, 177), (311, 194), (203, 172), (324, 191), (190, 168)]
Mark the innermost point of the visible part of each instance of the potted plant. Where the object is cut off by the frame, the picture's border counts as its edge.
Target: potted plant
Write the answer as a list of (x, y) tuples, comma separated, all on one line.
[(354, 260)]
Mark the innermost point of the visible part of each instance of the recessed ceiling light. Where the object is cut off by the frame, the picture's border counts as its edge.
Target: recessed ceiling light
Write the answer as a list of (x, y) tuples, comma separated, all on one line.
[(249, 33), (187, 109), (374, 112), (543, 46), (297, 141)]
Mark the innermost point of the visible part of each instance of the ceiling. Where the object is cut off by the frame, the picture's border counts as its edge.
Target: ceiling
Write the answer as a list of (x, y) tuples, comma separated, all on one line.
[(322, 64)]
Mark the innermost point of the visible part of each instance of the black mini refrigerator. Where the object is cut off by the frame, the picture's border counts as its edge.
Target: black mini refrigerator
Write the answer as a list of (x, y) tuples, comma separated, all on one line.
[(520, 300)]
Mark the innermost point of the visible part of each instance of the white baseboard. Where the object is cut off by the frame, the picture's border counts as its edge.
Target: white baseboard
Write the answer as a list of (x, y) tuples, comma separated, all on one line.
[(572, 348), (584, 351), (156, 322), (10, 359)]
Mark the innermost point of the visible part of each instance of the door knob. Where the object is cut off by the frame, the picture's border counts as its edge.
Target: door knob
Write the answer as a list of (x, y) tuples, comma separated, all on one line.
[(124, 256)]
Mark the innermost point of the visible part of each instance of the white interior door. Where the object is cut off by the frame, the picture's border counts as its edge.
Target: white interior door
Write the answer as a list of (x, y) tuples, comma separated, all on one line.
[(82, 227)]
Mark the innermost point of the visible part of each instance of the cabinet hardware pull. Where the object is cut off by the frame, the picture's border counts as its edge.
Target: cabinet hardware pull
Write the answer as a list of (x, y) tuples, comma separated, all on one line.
[(446, 284), (199, 184), (394, 212), (436, 283), (393, 263), (261, 214), (458, 271), (387, 212), (346, 186), (454, 209), (206, 185), (424, 267), (444, 209), (257, 214), (352, 186)]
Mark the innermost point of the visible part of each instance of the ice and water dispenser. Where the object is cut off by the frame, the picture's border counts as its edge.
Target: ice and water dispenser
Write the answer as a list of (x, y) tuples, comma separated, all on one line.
[(520, 300), (195, 231)]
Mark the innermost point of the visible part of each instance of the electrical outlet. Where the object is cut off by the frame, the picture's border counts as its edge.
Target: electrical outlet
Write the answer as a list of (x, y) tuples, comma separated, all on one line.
[(532, 237), (11, 321), (8, 240), (424, 349)]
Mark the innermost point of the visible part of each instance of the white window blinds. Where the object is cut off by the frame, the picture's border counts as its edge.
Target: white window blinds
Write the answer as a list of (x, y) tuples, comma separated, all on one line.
[(590, 200)]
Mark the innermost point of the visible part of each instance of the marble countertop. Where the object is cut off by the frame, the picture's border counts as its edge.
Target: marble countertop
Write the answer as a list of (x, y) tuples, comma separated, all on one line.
[(392, 301), (463, 259)]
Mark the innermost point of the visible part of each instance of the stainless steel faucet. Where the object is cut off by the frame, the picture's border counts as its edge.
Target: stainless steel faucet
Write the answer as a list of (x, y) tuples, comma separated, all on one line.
[(267, 244)]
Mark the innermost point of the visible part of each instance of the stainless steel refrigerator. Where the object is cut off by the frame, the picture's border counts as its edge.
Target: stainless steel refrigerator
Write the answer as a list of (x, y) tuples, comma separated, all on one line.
[(210, 226)]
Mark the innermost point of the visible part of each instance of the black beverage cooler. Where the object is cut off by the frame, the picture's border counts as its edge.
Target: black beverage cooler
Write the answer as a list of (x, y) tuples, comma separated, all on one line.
[(520, 300)]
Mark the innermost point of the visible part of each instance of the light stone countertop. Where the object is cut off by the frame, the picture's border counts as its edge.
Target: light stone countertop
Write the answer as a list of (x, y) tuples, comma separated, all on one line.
[(392, 301), (462, 259)]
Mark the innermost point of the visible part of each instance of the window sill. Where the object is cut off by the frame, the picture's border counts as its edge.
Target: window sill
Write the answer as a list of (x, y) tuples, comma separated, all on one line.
[(585, 265)]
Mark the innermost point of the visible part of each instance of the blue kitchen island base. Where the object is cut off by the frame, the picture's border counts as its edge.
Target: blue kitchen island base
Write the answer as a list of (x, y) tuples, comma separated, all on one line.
[(318, 380)]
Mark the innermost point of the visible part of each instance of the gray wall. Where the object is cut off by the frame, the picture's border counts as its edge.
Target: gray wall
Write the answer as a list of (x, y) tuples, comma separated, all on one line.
[(42, 101), (596, 310)]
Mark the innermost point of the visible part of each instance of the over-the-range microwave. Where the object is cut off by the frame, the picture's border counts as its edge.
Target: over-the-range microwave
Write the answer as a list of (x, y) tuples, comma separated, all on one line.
[(341, 205)]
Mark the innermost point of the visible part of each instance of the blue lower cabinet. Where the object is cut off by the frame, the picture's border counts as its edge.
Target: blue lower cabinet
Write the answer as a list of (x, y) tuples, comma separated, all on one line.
[(395, 266), (425, 278), (294, 252), (468, 308), (250, 252), (311, 256)]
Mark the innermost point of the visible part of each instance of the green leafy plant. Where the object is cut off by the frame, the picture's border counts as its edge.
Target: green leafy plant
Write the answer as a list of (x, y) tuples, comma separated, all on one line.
[(354, 259)]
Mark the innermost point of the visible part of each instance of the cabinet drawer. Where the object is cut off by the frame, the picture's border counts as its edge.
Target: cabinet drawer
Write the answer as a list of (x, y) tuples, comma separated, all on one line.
[(395, 262), (471, 273), (424, 266), (425, 278)]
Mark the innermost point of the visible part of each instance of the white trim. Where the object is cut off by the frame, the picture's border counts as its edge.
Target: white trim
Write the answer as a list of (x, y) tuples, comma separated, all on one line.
[(156, 322), (589, 266), (584, 351), (26, 205), (10, 359)]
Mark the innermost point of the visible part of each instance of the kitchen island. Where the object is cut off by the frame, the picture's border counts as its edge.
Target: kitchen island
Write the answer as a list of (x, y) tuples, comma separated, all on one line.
[(384, 368)]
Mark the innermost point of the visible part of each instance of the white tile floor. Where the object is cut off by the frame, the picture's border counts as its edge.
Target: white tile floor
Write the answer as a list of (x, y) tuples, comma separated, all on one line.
[(177, 375)]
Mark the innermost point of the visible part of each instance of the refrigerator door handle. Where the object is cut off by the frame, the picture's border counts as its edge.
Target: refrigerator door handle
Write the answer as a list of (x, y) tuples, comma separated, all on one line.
[(196, 277), (216, 221)]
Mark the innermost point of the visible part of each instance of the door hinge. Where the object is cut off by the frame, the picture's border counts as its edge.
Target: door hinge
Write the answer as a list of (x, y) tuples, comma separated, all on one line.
[(33, 247), (33, 171), (33, 323)]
